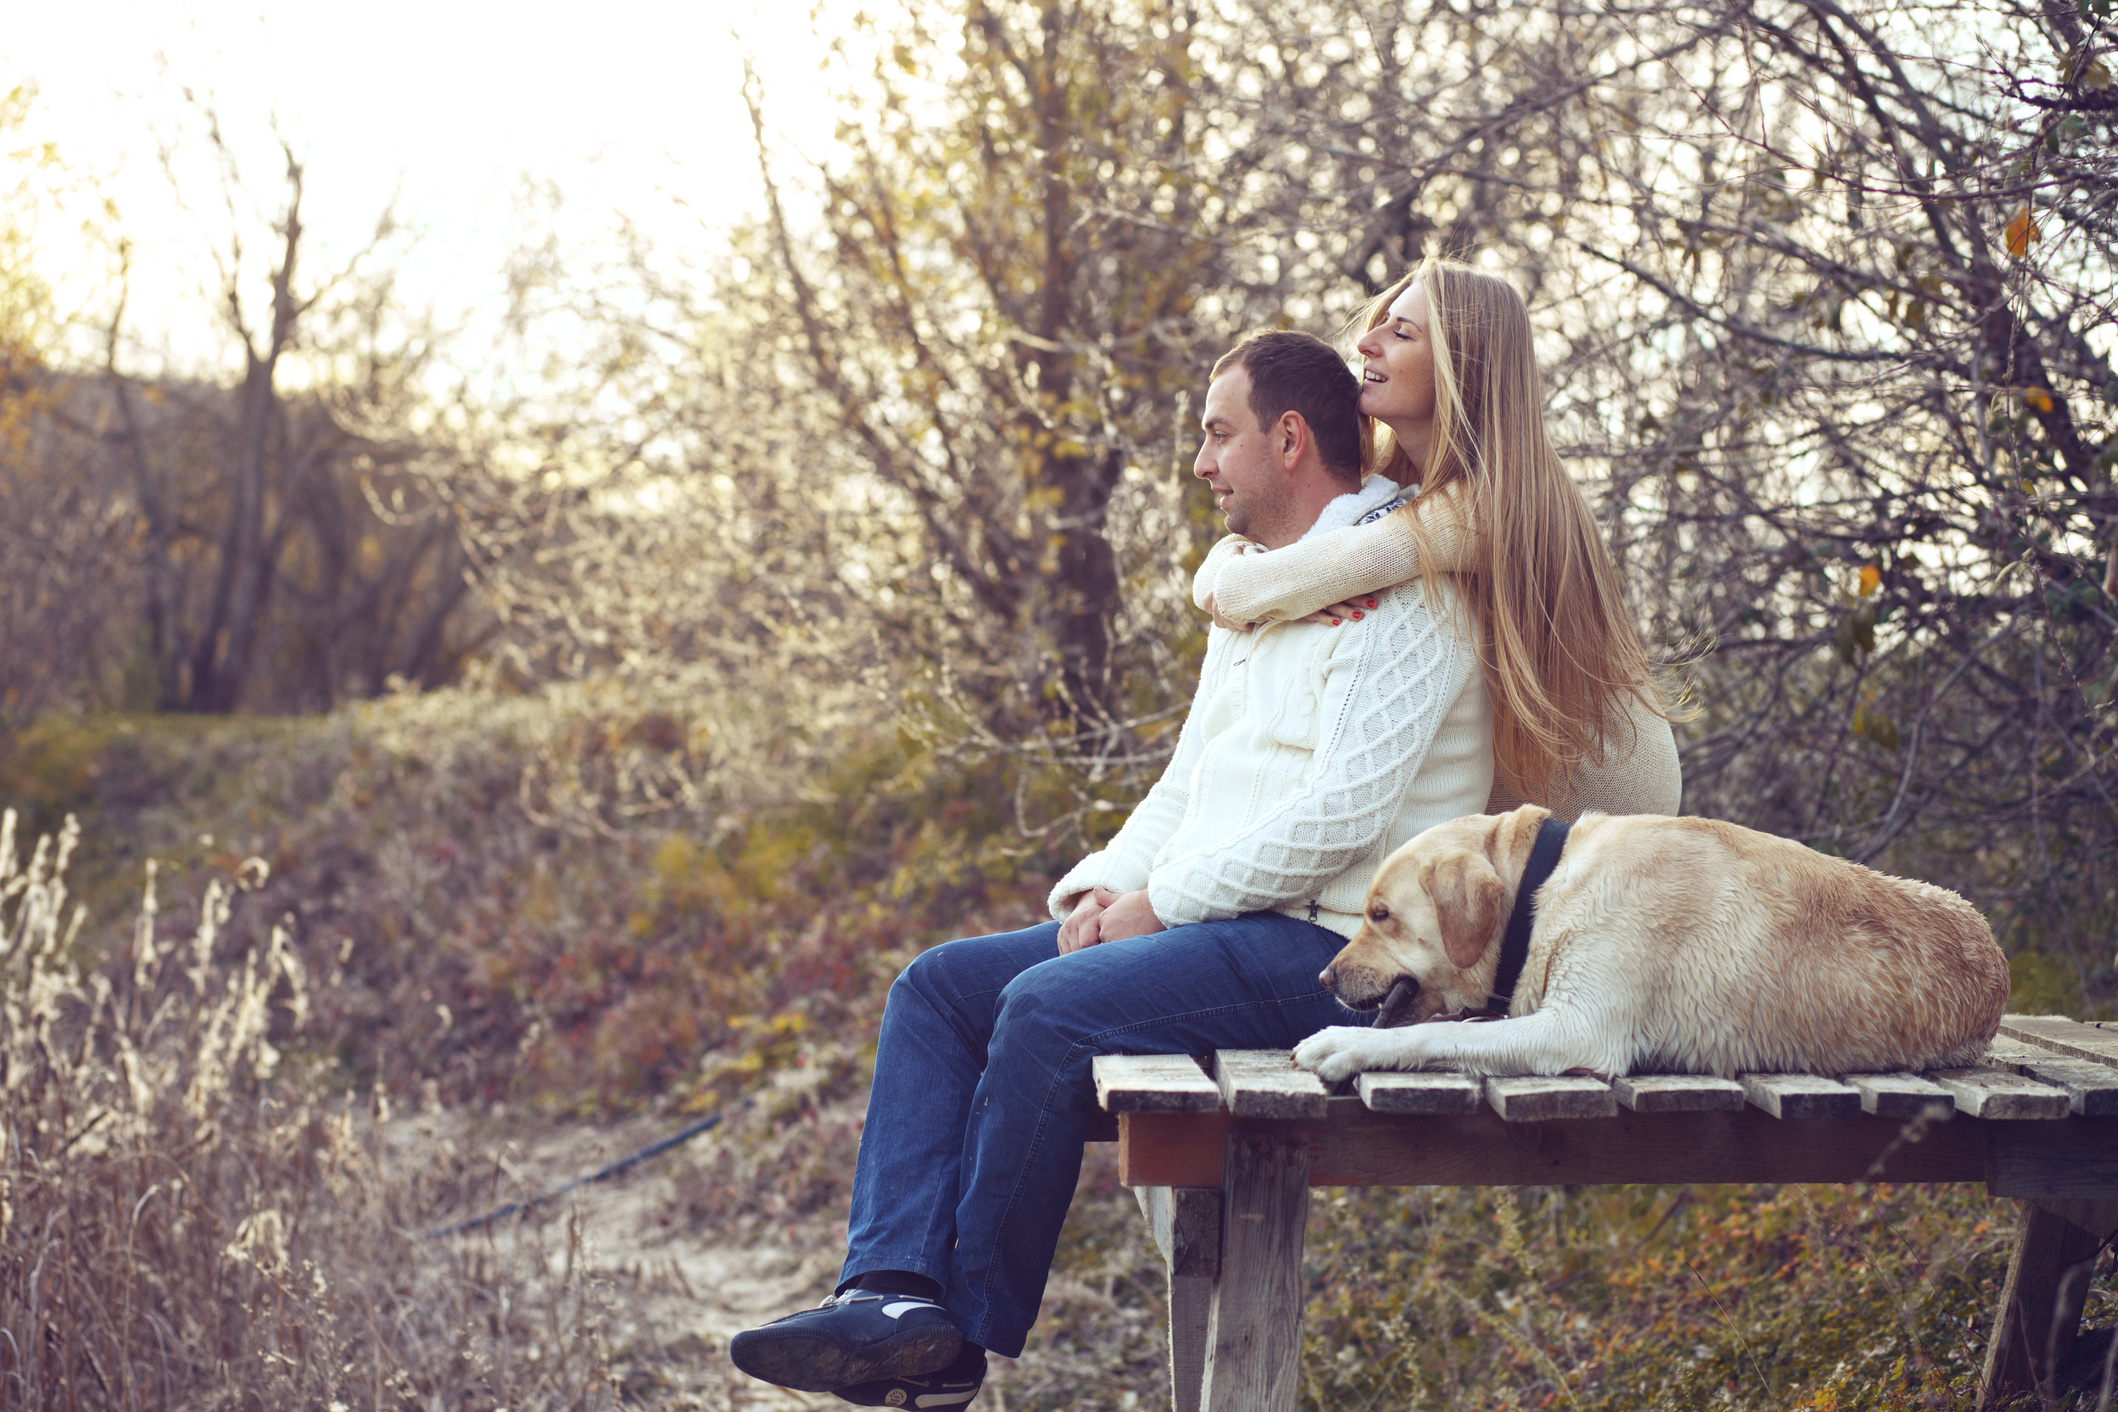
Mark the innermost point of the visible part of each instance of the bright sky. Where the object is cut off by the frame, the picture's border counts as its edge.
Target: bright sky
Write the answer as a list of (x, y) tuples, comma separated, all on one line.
[(627, 107)]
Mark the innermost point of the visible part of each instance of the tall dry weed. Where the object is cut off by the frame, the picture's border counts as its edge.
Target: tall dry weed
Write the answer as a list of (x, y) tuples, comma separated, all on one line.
[(187, 1222)]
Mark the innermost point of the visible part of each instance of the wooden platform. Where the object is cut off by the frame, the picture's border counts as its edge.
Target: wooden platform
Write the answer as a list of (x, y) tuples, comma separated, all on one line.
[(1222, 1151)]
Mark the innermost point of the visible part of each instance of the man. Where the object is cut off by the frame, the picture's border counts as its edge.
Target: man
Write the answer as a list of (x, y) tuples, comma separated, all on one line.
[(1309, 755)]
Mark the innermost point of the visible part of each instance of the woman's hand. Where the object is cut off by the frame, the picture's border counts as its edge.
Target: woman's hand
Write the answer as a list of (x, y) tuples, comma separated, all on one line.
[(1350, 611), (1221, 622)]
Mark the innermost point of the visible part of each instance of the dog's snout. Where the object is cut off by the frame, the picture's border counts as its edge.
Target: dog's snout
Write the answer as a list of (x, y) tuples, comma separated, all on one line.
[(1329, 978)]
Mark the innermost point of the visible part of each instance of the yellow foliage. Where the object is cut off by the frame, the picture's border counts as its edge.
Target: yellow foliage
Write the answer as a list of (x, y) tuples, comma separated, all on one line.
[(26, 323), (2021, 232)]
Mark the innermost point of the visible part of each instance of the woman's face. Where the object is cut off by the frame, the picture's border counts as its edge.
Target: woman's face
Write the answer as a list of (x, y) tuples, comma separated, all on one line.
[(1397, 365)]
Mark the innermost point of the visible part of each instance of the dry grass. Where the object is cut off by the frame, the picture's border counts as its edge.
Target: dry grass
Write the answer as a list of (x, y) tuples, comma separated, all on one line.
[(185, 1221)]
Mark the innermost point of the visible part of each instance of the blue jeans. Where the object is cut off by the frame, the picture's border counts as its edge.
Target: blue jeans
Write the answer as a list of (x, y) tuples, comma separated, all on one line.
[(983, 1094)]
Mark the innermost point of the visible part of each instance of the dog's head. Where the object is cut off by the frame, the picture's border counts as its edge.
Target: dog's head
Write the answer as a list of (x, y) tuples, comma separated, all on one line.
[(1435, 913)]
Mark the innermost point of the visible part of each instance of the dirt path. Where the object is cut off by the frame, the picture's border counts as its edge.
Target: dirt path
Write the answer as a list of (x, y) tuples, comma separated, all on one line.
[(677, 1289), (676, 1294)]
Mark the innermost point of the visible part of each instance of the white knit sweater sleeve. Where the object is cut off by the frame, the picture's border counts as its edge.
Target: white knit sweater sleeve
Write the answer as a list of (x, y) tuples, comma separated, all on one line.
[(1122, 865), (1250, 586), (1385, 693)]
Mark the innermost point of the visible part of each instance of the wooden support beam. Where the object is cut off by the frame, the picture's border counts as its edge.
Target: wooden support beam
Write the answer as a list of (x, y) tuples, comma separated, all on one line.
[(1254, 1335), (1190, 1325), (1186, 1224), (2040, 1308), (2072, 1160), (2098, 1218), (1356, 1148), (1171, 1149)]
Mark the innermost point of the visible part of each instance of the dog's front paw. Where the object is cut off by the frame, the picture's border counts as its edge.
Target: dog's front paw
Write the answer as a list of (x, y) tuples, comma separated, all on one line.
[(1342, 1050)]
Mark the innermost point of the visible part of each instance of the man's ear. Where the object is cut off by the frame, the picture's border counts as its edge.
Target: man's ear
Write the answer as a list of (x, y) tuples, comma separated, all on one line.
[(1290, 437), (1468, 897)]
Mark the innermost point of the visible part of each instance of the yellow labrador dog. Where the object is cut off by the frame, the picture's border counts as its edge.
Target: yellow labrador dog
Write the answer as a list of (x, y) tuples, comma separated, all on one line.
[(1659, 944)]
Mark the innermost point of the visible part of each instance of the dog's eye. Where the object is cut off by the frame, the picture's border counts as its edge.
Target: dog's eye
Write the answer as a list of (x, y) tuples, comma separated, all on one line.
[(1378, 913)]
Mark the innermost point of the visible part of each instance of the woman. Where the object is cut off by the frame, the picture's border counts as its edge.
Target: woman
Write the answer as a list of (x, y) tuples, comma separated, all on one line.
[(1449, 372)]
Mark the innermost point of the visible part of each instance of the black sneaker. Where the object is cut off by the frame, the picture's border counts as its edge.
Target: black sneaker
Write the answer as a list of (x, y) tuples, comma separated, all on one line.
[(855, 1337), (948, 1388)]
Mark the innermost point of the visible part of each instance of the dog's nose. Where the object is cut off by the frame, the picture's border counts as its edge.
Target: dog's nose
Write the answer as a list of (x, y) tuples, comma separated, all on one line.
[(1329, 977)]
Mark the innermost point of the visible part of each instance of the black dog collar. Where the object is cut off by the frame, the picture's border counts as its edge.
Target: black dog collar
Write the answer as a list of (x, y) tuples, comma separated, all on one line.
[(1515, 946)]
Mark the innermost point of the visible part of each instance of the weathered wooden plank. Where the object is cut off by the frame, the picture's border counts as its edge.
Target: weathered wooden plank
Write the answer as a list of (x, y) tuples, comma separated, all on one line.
[(1263, 1083), (1993, 1093), (1254, 1334), (1419, 1093), (1900, 1095), (1802, 1095), (1357, 1148), (1538, 1100), (1678, 1093), (2063, 1036), (2005, 1053), (2092, 1088), (2040, 1307), (1153, 1083), (1186, 1224)]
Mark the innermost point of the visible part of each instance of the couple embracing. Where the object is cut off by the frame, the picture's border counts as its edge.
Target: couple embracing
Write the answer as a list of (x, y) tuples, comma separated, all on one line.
[(1381, 640)]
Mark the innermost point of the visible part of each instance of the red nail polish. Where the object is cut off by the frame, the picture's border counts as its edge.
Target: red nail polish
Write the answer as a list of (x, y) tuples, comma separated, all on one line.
[(1371, 603), (1358, 615), (1334, 622)]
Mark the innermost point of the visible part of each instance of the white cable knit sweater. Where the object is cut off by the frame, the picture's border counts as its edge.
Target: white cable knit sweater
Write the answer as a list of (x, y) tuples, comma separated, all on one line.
[(1310, 754), (1643, 774)]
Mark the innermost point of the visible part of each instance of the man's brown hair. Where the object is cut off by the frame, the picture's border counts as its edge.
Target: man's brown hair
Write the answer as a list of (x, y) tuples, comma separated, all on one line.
[(1299, 372)]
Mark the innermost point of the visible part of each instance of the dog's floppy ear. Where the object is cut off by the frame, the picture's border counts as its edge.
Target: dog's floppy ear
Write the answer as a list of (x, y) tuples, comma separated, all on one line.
[(1468, 897)]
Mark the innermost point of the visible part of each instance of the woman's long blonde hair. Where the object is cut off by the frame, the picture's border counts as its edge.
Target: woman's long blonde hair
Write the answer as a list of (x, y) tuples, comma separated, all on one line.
[(1560, 652)]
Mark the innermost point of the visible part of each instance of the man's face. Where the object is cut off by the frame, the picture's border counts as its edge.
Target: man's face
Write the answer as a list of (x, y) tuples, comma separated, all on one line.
[(1238, 460)]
